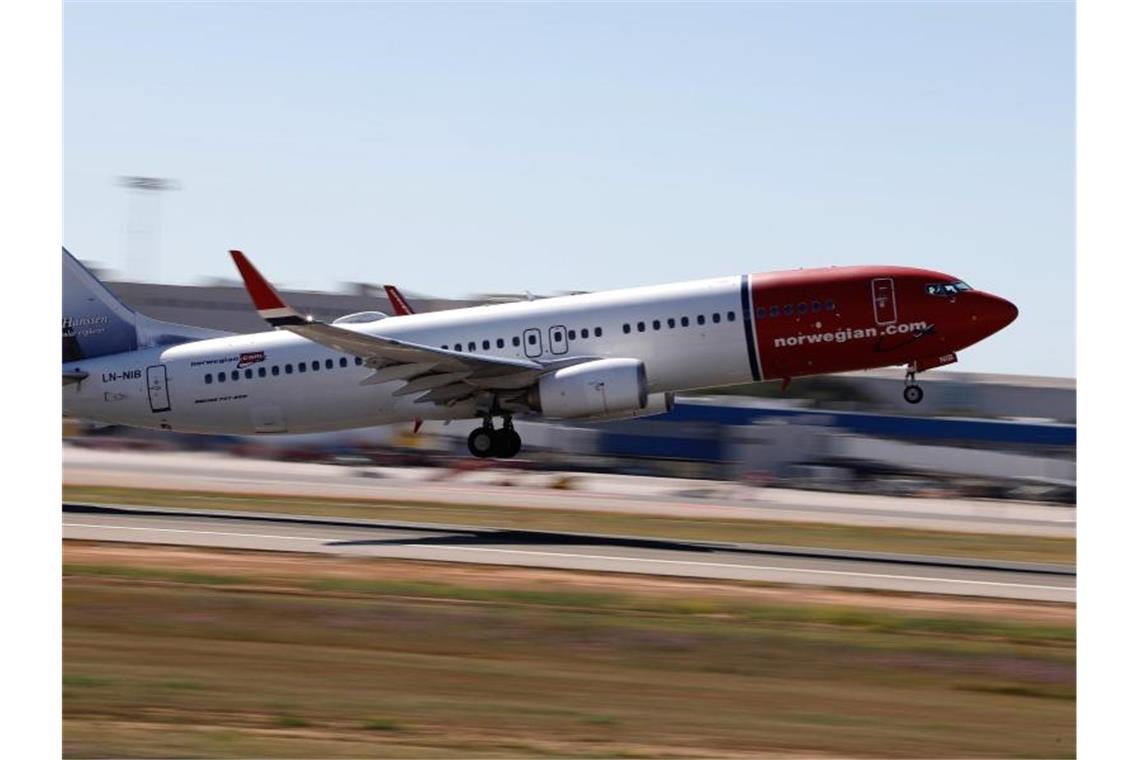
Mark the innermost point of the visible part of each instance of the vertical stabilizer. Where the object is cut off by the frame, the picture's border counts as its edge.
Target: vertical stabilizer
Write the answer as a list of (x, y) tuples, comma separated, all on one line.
[(97, 323)]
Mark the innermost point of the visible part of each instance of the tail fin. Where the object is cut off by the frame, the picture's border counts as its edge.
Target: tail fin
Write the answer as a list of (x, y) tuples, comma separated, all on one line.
[(97, 323)]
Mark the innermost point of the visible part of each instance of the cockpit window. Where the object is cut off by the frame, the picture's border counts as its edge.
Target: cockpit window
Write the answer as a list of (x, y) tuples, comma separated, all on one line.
[(945, 289)]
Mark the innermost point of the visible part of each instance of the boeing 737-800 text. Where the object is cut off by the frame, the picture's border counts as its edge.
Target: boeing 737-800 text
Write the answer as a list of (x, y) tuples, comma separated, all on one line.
[(595, 356)]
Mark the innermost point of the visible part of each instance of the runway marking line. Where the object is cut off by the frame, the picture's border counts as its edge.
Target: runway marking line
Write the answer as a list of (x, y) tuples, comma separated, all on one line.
[(618, 558)]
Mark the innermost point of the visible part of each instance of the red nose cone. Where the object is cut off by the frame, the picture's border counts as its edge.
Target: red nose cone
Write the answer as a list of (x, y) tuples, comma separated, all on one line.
[(999, 313)]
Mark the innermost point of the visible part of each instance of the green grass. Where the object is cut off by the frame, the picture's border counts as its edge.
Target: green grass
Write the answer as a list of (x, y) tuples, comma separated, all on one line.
[(804, 534), (161, 663)]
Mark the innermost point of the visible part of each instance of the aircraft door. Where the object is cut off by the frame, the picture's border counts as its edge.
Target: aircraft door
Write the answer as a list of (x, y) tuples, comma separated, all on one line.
[(558, 342), (532, 342), (156, 388), (883, 299)]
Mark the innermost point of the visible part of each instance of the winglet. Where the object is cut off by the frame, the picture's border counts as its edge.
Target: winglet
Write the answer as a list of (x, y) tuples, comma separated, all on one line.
[(269, 304), (399, 303)]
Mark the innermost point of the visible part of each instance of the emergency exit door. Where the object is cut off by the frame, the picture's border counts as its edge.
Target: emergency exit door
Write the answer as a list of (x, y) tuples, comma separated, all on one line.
[(532, 342), (156, 388), (883, 298)]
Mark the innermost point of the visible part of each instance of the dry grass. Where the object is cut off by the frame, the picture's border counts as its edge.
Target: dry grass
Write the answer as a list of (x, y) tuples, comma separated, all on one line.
[(210, 653)]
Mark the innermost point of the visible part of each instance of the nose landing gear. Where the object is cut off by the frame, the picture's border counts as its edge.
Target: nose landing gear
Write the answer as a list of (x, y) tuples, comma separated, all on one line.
[(912, 394), (485, 441)]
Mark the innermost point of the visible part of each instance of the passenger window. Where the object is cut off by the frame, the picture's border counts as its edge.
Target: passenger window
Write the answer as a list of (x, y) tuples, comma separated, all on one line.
[(671, 322), (657, 324), (571, 335), (499, 343), (328, 363), (249, 374), (815, 305), (275, 371), (486, 345), (288, 369), (221, 377), (625, 328), (235, 375), (458, 346), (301, 367), (773, 311), (802, 308), (641, 327), (731, 316), (316, 365), (209, 379), (261, 371), (532, 339), (830, 305), (358, 360), (761, 312), (700, 319), (515, 341), (344, 361), (684, 321), (716, 317), (789, 309), (597, 332), (470, 345), (557, 336), (585, 333)]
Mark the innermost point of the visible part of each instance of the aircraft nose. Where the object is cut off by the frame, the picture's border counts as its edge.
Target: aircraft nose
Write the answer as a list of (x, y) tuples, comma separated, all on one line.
[(998, 312)]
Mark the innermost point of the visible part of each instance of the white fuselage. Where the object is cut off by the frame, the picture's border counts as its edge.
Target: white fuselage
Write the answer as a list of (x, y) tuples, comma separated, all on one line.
[(246, 384)]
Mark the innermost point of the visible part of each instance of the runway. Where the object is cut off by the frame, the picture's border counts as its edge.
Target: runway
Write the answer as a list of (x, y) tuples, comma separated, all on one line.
[(585, 492), (624, 554)]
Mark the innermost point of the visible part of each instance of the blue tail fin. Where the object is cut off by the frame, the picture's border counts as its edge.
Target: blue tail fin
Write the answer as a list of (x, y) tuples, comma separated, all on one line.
[(97, 323)]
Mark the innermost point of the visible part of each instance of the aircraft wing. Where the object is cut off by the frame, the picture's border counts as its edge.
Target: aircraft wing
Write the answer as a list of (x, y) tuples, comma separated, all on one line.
[(440, 375)]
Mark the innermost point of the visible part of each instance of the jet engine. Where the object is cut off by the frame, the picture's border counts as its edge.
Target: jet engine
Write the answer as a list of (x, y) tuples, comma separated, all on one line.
[(603, 388)]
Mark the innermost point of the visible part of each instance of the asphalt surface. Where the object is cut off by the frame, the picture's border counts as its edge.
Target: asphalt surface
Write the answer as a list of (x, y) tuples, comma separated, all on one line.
[(200, 471), (626, 554)]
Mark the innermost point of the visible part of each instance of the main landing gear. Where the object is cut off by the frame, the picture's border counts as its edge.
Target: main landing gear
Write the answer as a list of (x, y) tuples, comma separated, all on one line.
[(485, 441), (911, 392)]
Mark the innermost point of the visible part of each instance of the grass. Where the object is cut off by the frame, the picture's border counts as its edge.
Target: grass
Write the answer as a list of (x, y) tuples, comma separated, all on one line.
[(677, 608), (803, 534), (264, 662)]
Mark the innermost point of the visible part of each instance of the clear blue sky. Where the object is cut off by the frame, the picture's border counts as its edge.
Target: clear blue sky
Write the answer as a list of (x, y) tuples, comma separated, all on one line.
[(463, 148)]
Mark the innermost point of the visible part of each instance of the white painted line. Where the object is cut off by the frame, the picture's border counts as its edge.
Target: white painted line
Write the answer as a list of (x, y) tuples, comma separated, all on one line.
[(608, 557)]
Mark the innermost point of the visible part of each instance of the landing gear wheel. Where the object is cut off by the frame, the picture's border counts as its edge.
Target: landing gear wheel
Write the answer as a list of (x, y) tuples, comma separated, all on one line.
[(507, 443), (481, 442), (913, 394)]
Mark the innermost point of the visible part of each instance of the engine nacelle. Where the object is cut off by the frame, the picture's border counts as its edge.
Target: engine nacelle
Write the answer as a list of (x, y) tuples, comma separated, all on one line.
[(658, 403), (600, 388)]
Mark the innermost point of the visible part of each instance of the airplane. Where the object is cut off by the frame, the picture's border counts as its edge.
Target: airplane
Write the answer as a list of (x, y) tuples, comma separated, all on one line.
[(609, 355)]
